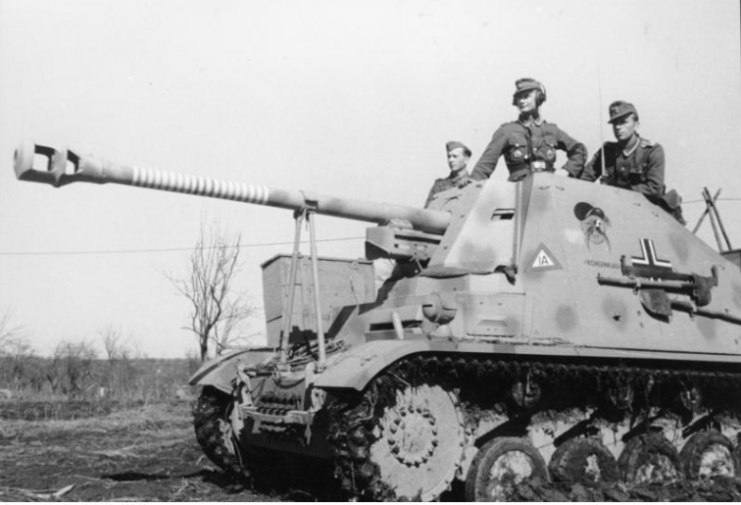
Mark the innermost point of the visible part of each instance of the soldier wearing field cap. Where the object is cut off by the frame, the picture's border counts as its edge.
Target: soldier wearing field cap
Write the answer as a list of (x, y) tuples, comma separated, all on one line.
[(458, 156), (530, 143), (633, 162)]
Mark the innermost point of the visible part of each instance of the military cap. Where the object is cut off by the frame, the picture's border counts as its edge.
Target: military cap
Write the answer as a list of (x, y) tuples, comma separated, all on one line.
[(453, 144), (620, 108), (526, 84)]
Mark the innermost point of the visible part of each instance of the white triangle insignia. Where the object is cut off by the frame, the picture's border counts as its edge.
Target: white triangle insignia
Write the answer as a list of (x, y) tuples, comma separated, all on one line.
[(543, 260)]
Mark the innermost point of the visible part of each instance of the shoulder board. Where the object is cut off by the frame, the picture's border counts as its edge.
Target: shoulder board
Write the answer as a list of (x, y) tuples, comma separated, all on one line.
[(647, 143)]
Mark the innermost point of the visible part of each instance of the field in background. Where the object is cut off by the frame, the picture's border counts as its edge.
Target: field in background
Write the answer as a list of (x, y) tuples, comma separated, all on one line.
[(141, 453), (80, 377), (77, 428)]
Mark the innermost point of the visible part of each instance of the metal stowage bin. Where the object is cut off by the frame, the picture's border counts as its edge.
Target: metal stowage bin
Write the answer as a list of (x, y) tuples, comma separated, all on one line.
[(344, 282)]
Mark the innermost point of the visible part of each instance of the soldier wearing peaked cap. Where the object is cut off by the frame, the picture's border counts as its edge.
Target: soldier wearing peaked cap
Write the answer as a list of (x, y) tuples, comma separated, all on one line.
[(458, 156), (633, 162), (530, 143)]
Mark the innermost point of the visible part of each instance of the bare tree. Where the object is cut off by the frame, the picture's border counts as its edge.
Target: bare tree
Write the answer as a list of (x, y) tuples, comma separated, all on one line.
[(71, 366), (13, 338), (217, 308), (119, 373), (16, 354), (114, 343)]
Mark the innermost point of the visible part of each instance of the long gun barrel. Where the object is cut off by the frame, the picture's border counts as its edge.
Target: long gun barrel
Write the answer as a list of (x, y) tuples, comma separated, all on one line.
[(64, 166)]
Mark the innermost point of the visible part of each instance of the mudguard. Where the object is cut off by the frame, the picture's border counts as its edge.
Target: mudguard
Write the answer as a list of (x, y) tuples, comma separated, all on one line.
[(221, 371), (356, 367)]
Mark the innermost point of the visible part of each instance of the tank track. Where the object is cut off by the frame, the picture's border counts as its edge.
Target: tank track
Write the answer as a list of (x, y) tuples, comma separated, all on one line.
[(352, 420), (566, 383), (210, 414)]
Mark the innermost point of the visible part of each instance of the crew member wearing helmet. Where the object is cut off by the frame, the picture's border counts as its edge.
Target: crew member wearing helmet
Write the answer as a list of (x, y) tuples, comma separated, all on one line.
[(458, 156), (530, 143), (633, 162)]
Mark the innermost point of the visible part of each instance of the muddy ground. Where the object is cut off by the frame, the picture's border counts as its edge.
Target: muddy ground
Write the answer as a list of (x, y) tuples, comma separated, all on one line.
[(108, 452)]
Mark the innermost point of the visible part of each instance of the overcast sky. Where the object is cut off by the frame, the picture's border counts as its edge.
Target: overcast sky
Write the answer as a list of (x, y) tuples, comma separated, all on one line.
[(351, 98)]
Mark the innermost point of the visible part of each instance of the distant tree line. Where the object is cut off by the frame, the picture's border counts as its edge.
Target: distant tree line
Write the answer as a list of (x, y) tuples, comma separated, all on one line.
[(75, 369)]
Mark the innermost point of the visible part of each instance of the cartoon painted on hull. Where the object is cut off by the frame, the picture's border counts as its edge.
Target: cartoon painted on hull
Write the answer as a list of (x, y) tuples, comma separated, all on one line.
[(594, 224)]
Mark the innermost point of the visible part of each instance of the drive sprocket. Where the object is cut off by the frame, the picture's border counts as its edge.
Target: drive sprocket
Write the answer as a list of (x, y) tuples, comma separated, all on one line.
[(400, 441)]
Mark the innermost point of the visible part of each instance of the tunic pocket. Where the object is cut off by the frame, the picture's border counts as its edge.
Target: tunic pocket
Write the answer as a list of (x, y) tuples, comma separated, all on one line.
[(549, 152), (517, 152), (636, 174)]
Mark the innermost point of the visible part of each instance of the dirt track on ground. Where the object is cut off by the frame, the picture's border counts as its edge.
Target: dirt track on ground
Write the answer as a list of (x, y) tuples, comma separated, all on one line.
[(92, 452), (145, 453)]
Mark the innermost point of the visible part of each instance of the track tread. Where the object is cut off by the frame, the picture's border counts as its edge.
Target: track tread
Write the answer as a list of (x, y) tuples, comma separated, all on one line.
[(209, 420)]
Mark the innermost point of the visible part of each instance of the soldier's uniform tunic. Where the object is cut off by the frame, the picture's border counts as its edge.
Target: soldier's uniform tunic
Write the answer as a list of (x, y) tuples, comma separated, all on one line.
[(445, 183), (529, 148), (639, 168)]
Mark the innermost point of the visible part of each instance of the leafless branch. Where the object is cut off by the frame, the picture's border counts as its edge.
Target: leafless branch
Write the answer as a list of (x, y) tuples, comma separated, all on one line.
[(216, 308), (13, 337)]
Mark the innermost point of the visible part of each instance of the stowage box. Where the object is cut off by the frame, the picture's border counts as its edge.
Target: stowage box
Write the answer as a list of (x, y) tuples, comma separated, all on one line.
[(341, 282)]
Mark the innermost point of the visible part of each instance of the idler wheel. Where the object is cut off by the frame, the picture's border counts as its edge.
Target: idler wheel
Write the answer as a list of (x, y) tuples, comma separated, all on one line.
[(709, 454), (421, 443), (583, 460), (649, 459), (499, 466)]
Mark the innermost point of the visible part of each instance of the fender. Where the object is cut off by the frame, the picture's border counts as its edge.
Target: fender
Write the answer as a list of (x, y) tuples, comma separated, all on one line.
[(356, 367), (220, 371)]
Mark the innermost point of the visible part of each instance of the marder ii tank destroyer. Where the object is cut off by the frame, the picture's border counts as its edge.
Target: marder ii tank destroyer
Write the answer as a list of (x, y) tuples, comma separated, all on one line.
[(549, 327)]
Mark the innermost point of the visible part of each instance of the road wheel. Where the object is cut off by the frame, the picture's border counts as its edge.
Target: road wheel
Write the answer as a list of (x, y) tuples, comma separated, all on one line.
[(421, 443), (214, 430), (583, 460), (708, 454), (649, 459), (499, 466)]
